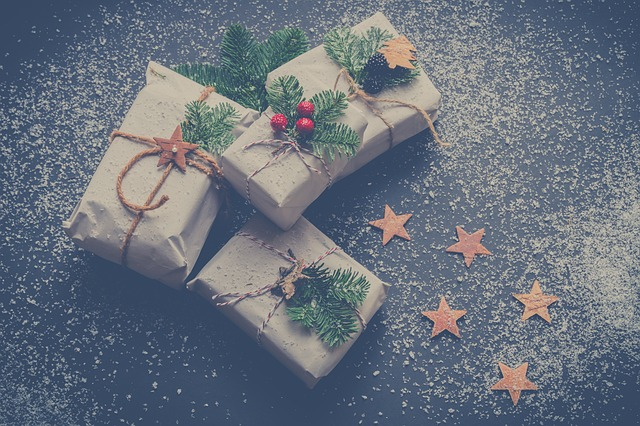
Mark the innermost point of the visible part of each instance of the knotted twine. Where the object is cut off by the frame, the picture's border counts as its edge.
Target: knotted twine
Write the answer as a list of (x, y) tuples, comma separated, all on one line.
[(209, 168), (298, 266), (283, 147), (357, 92)]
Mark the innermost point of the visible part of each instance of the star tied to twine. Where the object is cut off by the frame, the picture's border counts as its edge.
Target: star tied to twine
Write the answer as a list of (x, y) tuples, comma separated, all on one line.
[(514, 380), (445, 319), (392, 225), (536, 303), (469, 245), (173, 151)]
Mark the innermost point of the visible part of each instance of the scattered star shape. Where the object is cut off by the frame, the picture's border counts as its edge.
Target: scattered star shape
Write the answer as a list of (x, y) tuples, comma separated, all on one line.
[(392, 225), (469, 245), (175, 149), (514, 380), (444, 319), (535, 303)]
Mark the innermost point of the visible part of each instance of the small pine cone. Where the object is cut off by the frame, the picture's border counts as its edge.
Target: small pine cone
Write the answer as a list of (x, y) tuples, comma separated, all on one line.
[(372, 85), (377, 65)]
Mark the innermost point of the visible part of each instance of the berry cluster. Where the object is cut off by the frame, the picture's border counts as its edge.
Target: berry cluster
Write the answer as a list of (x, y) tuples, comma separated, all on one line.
[(304, 124), (377, 72)]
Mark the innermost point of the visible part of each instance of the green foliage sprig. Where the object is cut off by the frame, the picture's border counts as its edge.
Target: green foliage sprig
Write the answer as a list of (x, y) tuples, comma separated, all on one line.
[(208, 126), (328, 138), (326, 302), (352, 51), (245, 63)]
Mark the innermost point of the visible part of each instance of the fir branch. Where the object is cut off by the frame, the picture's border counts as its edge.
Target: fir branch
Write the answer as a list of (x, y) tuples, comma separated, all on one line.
[(284, 95), (210, 127), (342, 45), (349, 287), (245, 64), (352, 51), (372, 40), (335, 323), (326, 302), (305, 314), (236, 51), (330, 139), (329, 106), (283, 46)]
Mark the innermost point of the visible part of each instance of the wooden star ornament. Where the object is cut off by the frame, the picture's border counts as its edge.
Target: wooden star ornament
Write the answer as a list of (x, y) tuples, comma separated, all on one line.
[(469, 245), (175, 149), (514, 380), (392, 225), (399, 52), (444, 319), (536, 303)]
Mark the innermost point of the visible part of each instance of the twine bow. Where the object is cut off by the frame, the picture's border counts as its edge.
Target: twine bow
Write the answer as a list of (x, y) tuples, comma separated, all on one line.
[(171, 151), (357, 92), (284, 147), (286, 282)]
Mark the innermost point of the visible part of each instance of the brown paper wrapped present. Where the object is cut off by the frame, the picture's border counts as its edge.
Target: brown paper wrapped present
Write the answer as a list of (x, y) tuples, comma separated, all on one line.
[(141, 208), (240, 279)]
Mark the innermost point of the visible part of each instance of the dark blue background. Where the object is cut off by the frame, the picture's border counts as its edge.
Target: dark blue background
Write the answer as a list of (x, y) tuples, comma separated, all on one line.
[(541, 106)]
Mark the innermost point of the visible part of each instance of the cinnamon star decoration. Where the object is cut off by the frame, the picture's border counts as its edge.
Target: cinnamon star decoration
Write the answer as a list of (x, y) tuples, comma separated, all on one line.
[(514, 380), (535, 303), (392, 225), (469, 245), (175, 149), (444, 319)]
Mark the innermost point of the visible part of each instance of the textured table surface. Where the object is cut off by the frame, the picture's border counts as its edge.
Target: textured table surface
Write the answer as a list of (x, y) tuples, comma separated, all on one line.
[(541, 108)]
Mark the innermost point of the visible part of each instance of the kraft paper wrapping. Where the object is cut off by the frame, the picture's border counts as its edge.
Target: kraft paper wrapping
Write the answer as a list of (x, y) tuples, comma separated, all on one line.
[(243, 265), (288, 188), (168, 240), (285, 189)]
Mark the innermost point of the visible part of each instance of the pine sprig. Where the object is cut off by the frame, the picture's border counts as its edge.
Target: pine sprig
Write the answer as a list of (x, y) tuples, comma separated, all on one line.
[(328, 138), (284, 95), (282, 46), (326, 302), (352, 51), (208, 126), (245, 63), (329, 106), (331, 139)]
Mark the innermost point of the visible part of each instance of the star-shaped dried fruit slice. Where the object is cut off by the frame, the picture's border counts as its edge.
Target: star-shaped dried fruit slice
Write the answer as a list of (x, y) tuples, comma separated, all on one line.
[(444, 319), (175, 149), (535, 303), (392, 225), (514, 380), (469, 245)]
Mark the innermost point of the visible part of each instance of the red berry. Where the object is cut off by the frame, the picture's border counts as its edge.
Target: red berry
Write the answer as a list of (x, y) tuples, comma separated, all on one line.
[(305, 109), (305, 126), (279, 123)]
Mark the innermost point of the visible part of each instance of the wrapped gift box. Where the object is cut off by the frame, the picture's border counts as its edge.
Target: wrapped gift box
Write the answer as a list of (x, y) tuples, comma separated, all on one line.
[(249, 262), (284, 190), (168, 240)]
